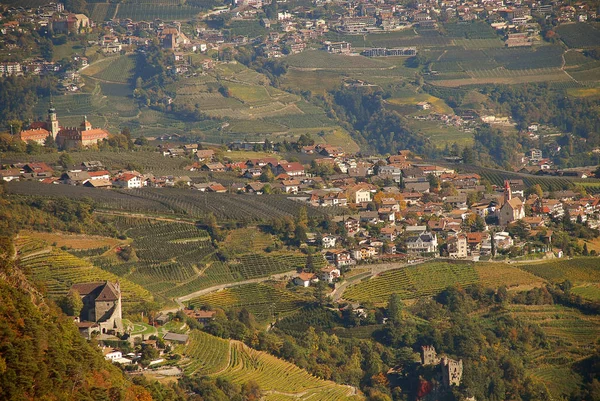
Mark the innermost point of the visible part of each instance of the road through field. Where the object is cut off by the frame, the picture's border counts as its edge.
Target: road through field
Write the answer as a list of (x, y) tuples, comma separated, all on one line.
[(219, 287)]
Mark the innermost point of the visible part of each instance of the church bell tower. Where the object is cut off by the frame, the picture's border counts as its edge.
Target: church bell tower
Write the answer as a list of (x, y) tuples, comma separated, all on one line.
[(52, 121)]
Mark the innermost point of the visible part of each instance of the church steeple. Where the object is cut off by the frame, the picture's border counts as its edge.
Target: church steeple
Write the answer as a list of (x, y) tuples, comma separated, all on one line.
[(507, 191), (85, 124), (53, 125)]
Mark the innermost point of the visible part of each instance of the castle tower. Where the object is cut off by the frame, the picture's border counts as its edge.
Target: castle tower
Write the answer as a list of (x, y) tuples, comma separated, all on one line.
[(53, 126), (428, 355), (452, 371), (85, 124), (507, 191)]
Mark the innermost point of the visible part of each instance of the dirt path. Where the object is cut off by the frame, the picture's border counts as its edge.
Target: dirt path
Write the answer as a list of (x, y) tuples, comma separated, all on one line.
[(562, 67)]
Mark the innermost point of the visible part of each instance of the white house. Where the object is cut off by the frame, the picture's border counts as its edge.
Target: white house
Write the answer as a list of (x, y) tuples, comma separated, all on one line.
[(128, 180), (304, 279), (361, 195), (328, 241), (425, 242), (112, 354), (329, 274)]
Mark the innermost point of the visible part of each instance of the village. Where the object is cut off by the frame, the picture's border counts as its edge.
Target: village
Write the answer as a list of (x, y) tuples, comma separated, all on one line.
[(396, 208)]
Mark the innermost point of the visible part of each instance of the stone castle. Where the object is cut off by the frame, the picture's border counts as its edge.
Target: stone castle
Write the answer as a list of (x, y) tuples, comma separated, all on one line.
[(101, 308), (452, 370), (65, 137)]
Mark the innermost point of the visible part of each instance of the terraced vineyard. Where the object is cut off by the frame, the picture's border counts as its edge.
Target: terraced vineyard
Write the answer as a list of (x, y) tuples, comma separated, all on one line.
[(239, 363), (413, 281), (173, 259), (576, 270), (119, 70), (497, 177), (205, 354), (58, 271), (242, 268), (262, 300)]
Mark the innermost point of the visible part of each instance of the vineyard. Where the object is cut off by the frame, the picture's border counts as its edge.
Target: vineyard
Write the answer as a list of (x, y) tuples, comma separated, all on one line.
[(205, 354), (239, 363), (494, 275), (413, 281), (576, 270), (172, 259), (497, 177), (57, 270), (120, 70), (262, 300), (183, 202), (571, 333), (579, 35)]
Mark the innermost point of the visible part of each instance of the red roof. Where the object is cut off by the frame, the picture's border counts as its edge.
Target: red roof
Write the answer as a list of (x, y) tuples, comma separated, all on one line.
[(293, 166)]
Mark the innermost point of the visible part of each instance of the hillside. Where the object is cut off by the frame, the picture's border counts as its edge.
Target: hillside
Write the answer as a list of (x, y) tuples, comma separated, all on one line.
[(239, 363), (43, 356)]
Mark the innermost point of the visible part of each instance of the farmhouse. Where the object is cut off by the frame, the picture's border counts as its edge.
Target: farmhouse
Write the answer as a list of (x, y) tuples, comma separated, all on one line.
[(304, 279)]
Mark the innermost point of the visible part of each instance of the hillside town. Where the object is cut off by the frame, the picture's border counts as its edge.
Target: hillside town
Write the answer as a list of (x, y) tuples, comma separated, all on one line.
[(289, 31), (396, 208)]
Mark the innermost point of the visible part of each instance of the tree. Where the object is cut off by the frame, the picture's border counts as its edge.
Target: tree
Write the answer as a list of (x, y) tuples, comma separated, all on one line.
[(319, 292), (65, 160), (266, 175), (534, 190), (17, 125), (73, 303), (50, 143), (33, 148), (395, 308)]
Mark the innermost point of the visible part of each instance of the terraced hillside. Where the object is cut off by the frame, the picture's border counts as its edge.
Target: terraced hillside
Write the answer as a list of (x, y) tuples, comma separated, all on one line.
[(233, 360), (173, 259), (58, 270), (571, 333)]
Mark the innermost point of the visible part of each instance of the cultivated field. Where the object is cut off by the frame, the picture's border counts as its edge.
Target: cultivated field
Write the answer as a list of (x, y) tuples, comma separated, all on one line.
[(263, 300), (239, 363), (571, 333), (57, 270), (579, 35), (413, 281), (576, 270), (494, 275), (181, 202)]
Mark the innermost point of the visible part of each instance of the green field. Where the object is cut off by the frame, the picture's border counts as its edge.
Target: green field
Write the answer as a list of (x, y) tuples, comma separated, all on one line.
[(119, 70), (494, 275), (413, 281)]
